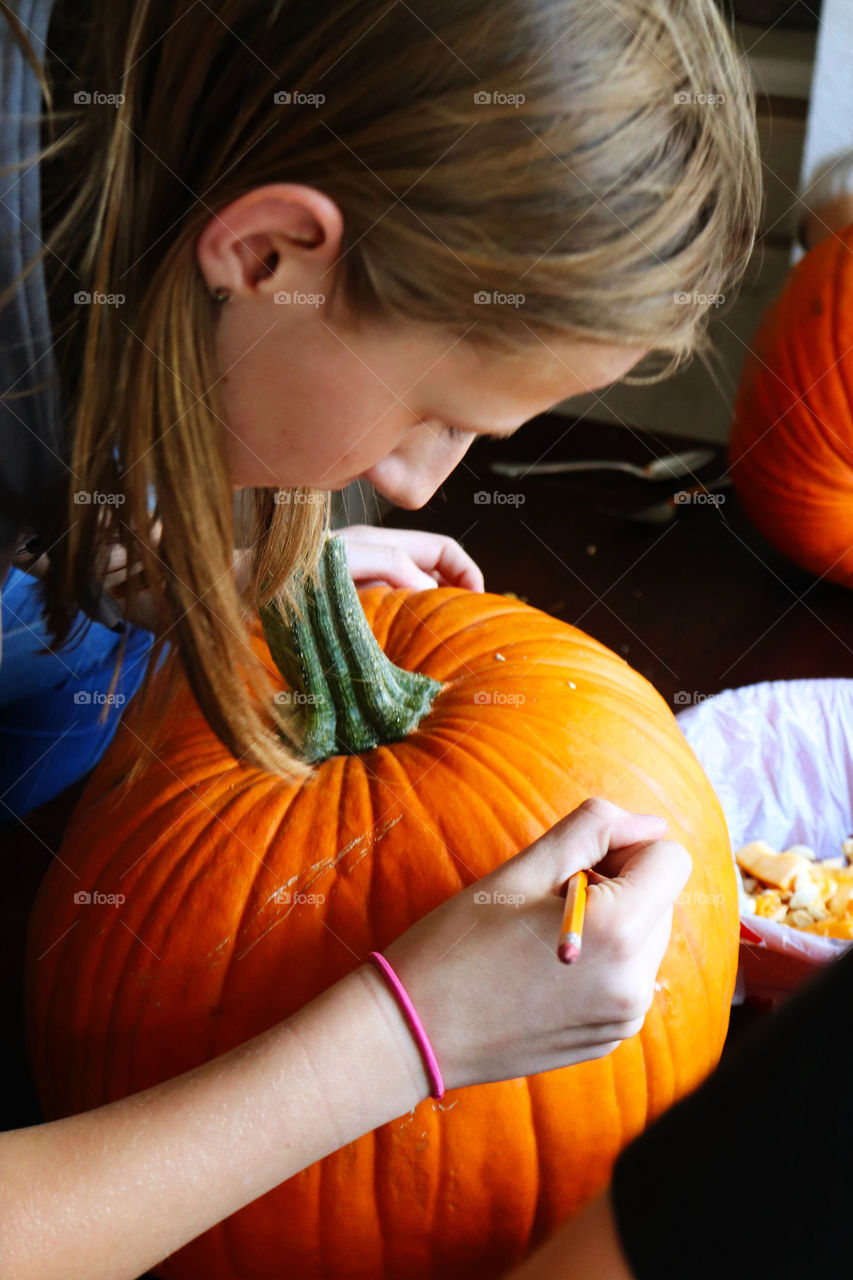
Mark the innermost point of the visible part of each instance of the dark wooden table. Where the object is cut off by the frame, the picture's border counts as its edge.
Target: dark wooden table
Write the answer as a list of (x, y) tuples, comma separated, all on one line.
[(697, 605)]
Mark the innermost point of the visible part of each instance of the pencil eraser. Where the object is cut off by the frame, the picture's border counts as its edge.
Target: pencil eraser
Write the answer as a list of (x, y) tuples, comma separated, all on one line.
[(568, 951)]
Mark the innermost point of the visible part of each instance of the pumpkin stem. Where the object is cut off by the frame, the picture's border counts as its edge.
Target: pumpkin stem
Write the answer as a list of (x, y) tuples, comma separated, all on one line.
[(351, 695)]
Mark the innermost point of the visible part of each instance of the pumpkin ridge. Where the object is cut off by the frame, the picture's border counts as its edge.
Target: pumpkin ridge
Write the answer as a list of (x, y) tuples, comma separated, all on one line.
[(457, 743), (177, 872), (791, 382), (635, 1047), (482, 623), (251, 892), (441, 645), (332, 770), (216, 1029), (701, 969), (433, 1234), (123, 976), (437, 827), (230, 1246), (643, 1062), (393, 763), (559, 634), (379, 1141), (526, 788), (805, 386), (836, 329), (535, 1090)]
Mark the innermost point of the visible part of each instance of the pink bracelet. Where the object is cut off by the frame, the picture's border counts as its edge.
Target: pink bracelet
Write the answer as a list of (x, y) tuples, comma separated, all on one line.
[(436, 1082)]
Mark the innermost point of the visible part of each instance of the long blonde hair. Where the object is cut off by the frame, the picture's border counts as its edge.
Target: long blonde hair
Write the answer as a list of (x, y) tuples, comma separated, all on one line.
[(600, 159)]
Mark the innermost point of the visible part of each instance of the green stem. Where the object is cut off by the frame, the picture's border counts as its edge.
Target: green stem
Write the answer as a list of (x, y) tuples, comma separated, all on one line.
[(351, 695)]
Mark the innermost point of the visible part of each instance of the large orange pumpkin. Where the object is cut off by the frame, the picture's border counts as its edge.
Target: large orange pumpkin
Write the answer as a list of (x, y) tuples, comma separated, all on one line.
[(217, 937), (791, 446)]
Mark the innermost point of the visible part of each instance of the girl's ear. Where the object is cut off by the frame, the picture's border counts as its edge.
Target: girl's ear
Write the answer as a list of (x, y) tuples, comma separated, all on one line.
[(274, 236)]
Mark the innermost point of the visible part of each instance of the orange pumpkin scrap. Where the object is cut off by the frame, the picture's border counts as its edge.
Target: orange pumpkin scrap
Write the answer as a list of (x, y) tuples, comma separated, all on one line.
[(230, 877)]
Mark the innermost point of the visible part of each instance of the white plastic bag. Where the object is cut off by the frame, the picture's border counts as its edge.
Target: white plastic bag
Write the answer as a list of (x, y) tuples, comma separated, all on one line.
[(780, 757)]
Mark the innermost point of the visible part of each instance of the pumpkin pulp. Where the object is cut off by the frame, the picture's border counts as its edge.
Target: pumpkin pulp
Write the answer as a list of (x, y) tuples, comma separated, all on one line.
[(350, 695)]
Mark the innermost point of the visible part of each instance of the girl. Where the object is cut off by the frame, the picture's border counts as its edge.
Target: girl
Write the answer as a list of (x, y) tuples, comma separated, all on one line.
[(286, 246)]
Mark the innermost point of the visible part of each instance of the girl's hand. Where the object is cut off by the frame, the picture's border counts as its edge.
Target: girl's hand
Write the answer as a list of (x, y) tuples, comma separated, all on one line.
[(482, 969), (407, 558)]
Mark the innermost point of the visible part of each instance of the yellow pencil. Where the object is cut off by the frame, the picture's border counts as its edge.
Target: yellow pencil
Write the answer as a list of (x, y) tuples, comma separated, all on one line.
[(569, 946)]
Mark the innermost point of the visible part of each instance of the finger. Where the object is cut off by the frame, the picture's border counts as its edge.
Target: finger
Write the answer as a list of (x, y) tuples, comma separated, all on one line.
[(576, 842), (385, 563), (456, 568), (650, 879), (612, 864), (432, 552)]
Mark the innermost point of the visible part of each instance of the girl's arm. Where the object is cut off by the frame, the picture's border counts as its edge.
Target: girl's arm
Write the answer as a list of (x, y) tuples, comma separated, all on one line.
[(109, 1193)]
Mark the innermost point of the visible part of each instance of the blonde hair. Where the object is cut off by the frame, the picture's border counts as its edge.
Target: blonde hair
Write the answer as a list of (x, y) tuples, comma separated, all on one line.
[(599, 159)]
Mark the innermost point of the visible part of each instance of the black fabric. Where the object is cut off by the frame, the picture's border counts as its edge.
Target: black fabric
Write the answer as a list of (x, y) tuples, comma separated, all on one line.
[(751, 1174)]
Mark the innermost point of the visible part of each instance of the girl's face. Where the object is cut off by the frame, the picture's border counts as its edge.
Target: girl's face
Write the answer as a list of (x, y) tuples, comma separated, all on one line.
[(317, 400)]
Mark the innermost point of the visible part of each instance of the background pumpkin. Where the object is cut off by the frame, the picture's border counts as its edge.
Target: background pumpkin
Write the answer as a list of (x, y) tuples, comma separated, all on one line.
[(791, 446), (206, 950)]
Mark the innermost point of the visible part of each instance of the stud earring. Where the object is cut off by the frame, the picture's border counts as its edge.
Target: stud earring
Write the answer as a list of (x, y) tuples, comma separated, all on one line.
[(220, 295)]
